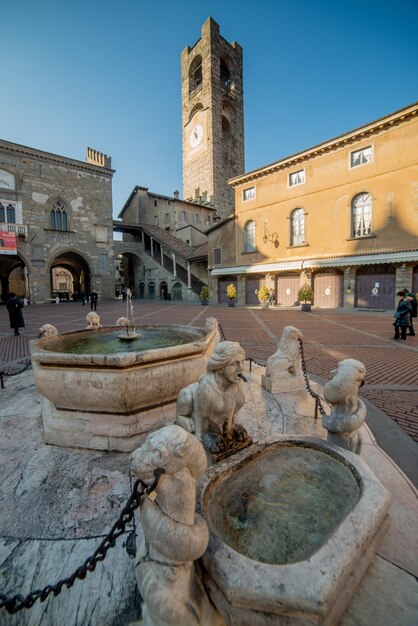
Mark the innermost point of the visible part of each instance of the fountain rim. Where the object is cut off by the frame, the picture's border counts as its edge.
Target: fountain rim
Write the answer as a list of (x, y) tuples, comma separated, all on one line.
[(120, 359), (322, 572)]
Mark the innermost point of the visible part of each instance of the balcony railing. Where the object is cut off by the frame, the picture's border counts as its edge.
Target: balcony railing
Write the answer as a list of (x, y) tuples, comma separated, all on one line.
[(19, 229)]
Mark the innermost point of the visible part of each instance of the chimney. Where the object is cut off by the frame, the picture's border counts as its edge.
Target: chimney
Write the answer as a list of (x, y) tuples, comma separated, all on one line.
[(176, 195)]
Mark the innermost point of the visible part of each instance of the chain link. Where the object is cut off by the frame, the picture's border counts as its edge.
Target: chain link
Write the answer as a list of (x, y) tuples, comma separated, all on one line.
[(318, 404), (3, 373), (18, 602)]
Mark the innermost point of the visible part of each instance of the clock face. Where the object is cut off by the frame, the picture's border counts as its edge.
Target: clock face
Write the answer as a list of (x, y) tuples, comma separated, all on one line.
[(196, 135)]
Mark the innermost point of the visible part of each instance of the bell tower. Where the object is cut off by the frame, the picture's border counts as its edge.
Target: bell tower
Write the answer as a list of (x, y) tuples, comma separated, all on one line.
[(212, 119)]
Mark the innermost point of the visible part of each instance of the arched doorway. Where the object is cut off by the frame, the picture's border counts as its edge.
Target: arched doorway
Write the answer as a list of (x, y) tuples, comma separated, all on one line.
[(141, 289), (163, 290), (375, 287), (328, 288), (151, 291), (177, 292), (13, 277), (70, 276)]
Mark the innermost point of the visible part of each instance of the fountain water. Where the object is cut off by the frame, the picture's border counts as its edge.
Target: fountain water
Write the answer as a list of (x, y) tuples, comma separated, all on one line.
[(130, 335)]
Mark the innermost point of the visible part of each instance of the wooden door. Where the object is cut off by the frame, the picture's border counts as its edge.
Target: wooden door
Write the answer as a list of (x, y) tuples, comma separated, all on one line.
[(223, 283), (375, 287), (415, 280), (328, 286), (287, 287), (252, 284)]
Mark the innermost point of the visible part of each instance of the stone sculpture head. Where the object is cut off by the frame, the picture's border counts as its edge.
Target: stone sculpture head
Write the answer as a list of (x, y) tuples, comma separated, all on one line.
[(342, 389), (93, 320), (289, 341), (171, 448), (48, 330), (227, 360), (122, 321)]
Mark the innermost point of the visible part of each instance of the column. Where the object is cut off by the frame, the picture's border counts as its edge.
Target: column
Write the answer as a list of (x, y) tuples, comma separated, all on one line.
[(162, 255), (174, 265), (189, 277)]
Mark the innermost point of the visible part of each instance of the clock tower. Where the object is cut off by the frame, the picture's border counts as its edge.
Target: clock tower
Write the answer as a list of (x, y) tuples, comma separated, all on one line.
[(212, 119)]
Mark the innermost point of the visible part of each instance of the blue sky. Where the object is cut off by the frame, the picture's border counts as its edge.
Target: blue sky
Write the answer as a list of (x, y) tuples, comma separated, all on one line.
[(106, 74)]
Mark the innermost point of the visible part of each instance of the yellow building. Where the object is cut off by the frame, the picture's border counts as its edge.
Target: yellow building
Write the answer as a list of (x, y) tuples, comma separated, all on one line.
[(342, 216)]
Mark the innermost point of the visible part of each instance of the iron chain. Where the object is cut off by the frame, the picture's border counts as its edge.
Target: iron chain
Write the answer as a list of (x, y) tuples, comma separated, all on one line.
[(318, 404), (18, 602)]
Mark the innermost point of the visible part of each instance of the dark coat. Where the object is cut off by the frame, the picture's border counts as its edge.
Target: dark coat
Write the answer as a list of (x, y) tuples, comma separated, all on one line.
[(402, 313), (14, 307), (94, 297)]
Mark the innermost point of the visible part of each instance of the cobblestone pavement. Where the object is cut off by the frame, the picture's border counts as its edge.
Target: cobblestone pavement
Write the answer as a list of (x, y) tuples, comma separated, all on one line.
[(330, 336)]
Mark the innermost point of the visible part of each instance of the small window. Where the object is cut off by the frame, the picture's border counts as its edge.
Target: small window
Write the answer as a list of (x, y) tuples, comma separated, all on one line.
[(361, 215), (361, 157), (296, 178), (58, 216), (248, 194), (217, 256), (195, 74), (297, 227), (156, 220), (155, 203), (183, 216), (249, 244), (225, 74), (196, 218), (167, 218)]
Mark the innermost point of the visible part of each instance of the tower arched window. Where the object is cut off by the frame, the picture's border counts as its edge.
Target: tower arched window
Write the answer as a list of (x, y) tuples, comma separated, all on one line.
[(195, 74), (58, 216), (361, 215), (250, 237), (2, 213), (225, 74), (297, 227)]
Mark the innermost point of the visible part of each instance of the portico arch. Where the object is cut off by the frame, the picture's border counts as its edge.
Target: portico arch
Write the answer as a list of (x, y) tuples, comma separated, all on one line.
[(70, 276)]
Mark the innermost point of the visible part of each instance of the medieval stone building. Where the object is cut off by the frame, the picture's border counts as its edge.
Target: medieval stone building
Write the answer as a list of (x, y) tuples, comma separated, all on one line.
[(56, 216)]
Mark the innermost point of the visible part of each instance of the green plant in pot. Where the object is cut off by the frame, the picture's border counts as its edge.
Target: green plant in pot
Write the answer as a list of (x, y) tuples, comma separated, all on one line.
[(204, 294), (264, 296), (231, 292), (305, 297)]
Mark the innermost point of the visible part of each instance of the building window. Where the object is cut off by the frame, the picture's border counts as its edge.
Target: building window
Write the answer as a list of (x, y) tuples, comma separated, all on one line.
[(296, 178), (58, 216), (249, 245), (7, 180), (297, 227), (8, 213), (225, 74), (195, 74), (182, 216), (248, 194), (156, 220), (196, 218), (217, 256), (167, 218), (361, 215), (361, 157), (2, 213)]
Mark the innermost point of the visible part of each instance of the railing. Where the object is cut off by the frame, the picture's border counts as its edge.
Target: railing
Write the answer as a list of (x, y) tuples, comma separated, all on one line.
[(19, 229)]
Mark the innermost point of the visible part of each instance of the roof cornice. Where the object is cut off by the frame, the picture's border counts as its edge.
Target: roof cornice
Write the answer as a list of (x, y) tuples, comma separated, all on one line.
[(56, 159), (358, 134)]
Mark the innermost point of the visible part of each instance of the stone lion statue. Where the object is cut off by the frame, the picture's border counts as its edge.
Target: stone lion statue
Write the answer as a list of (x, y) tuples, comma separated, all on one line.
[(123, 321), (348, 411), (93, 321), (284, 367), (171, 535), (48, 330)]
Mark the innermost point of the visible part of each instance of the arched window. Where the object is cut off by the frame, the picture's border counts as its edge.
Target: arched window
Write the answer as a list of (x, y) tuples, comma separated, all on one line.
[(361, 215), (2, 213), (10, 214), (225, 74), (250, 237), (297, 227), (58, 216), (226, 126), (195, 74)]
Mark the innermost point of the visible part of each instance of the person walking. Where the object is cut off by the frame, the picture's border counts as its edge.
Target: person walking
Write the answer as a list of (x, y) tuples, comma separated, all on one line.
[(93, 300), (402, 316), (412, 299), (14, 308)]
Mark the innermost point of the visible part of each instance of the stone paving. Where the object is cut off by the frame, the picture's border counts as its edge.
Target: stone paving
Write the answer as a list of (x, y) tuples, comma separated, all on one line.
[(330, 336)]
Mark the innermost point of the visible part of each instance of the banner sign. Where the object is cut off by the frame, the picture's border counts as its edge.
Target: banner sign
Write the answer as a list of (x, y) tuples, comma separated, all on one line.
[(7, 242)]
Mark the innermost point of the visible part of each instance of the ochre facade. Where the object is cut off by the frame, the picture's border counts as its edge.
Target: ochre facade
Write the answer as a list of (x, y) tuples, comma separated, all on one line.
[(342, 216)]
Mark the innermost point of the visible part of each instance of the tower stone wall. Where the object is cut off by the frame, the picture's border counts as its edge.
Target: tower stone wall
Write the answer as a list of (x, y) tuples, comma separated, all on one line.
[(212, 118)]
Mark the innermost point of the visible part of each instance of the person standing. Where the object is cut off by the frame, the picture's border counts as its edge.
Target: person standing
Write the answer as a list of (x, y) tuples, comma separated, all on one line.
[(93, 300), (402, 317), (14, 308), (412, 299)]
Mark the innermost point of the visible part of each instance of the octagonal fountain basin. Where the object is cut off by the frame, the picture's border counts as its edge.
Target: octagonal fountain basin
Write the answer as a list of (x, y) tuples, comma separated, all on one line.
[(293, 526), (102, 393)]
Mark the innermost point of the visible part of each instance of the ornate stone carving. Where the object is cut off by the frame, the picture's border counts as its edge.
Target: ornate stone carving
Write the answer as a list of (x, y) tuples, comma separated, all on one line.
[(48, 330), (284, 367), (171, 535), (93, 321), (123, 321), (348, 411), (209, 407)]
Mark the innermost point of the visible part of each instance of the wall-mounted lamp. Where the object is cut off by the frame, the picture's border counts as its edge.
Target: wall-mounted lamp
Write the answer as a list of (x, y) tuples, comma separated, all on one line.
[(273, 237), (347, 270), (403, 267)]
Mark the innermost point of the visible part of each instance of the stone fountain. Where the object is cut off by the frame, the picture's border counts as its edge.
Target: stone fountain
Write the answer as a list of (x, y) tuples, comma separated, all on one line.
[(293, 522), (103, 394)]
